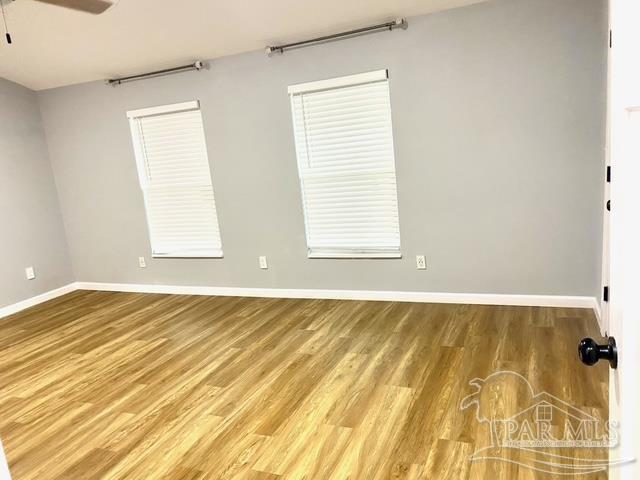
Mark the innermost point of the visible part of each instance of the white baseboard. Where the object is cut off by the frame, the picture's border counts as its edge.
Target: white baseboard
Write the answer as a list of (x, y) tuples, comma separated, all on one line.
[(396, 296), (598, 313), (30, 302), (375, 295)]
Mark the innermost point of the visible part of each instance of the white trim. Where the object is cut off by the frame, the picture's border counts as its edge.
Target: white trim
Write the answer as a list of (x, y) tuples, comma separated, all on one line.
[(326, 254), (174, 107), (30, 302), (4, 466), (373, 295), (422, 297), (215, 253), (597, 311), (348, 81)]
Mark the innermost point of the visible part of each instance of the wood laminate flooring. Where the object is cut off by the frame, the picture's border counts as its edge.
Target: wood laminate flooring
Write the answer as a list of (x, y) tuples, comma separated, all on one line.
[(100, 385)]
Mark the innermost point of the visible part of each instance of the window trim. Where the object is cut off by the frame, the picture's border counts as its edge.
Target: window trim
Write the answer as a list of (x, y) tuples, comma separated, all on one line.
[(315, 253), (213, 253), (133, 116), (162, 109), (330, 84), (340, 82)]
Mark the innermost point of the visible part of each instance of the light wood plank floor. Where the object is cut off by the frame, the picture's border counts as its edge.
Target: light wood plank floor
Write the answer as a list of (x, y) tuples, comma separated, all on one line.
[(98, 385)]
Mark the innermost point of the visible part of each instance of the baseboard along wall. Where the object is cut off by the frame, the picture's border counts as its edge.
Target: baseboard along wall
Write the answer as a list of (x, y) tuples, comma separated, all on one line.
[(373, 295), (30, 302)]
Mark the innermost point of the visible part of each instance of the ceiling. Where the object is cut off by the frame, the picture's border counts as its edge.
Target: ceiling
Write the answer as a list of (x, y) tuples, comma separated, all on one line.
[(55, 46)]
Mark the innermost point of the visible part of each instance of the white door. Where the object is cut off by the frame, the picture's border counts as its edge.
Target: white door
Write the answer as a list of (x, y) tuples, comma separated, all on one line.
[(4, 468), (624, 295)]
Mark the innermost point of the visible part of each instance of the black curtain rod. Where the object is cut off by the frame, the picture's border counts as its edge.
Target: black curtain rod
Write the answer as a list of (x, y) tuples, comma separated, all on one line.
[(167, 71), (398, 23)]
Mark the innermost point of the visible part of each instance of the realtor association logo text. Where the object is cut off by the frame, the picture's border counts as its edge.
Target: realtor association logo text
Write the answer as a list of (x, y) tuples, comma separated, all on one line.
[(580, 433), (537, 430)]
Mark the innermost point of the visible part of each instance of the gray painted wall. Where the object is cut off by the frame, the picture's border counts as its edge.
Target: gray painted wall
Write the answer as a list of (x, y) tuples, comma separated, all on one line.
[(498, 112), (32, 232)]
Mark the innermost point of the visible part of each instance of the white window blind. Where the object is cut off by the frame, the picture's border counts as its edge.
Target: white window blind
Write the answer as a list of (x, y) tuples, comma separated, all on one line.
[(173, 168), (344, 146)]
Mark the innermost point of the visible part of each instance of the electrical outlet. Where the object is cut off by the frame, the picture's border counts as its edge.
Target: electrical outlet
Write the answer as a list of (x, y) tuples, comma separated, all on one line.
[(263, 262), (30, 273), (142, 262), (421, 264)]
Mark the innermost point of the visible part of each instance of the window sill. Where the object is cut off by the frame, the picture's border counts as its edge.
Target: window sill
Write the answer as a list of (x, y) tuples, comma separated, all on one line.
[(354, 255), (212, 254)]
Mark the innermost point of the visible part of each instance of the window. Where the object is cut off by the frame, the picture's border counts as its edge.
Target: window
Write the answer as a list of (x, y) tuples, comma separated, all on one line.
[(544, 412), (173, 168), (344, 145)]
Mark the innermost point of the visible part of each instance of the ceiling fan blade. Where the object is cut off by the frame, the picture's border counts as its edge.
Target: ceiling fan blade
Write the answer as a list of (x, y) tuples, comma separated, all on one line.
[(90, 6)]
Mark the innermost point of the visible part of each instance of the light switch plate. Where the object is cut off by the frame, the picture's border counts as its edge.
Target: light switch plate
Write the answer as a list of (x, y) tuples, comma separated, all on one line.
[(30, 273), (142, 262), (263, 262), (421, 263)]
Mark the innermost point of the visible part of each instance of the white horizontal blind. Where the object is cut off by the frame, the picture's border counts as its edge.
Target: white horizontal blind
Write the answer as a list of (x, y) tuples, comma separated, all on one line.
[(344, 145), (174, 174)]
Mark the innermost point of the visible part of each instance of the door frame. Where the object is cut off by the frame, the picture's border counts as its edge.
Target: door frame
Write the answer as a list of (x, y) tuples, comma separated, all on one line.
[(623, 315)]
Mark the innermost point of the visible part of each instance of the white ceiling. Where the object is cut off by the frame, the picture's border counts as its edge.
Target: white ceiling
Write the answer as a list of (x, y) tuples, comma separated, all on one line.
[(54, 46)]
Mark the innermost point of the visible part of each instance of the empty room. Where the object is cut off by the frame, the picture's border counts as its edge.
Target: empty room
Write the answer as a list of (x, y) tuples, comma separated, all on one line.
[(354, 240)]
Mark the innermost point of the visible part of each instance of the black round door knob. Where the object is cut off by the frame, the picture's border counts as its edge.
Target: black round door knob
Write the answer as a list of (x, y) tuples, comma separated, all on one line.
[(590, 352)]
